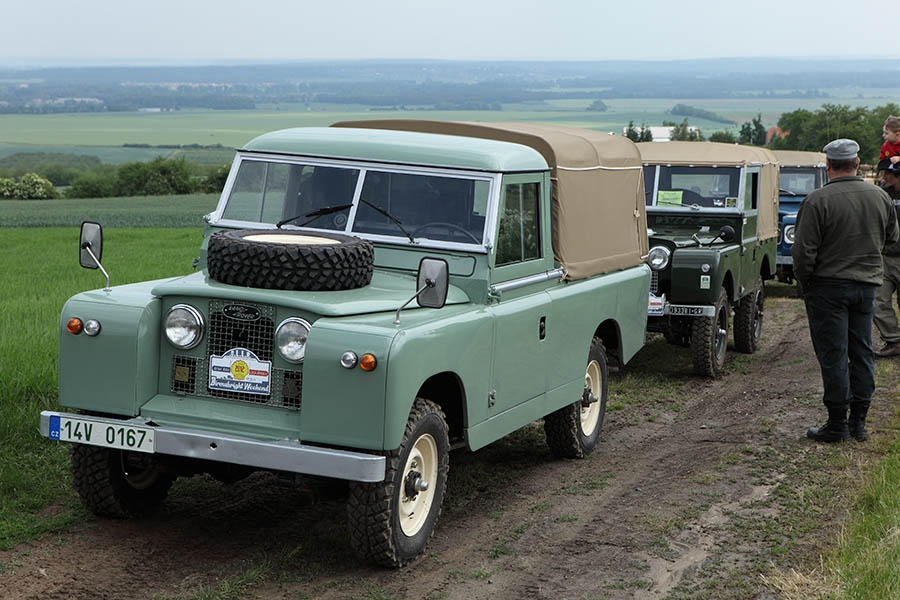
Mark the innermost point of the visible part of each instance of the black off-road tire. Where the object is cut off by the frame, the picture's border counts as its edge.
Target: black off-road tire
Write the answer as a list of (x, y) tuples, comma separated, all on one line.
[(573, 430), (748, 319), (289, 260), (709, 339), (118, 483), (375, 510)]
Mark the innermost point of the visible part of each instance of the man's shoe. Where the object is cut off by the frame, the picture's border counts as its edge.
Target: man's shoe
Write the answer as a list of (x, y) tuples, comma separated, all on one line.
[(830, 432), (889, 349)]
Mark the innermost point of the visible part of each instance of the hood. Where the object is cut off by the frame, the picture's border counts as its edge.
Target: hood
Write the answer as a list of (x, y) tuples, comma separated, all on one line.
[(386, 292)]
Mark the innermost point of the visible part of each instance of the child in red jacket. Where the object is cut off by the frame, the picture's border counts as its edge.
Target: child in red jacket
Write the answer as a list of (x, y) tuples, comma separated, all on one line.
[(891, 134)]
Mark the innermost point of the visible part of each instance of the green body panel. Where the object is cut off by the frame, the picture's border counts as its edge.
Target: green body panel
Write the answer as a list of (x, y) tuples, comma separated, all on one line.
[(401, 147), (235, 418), (116, 371), (386, 292)]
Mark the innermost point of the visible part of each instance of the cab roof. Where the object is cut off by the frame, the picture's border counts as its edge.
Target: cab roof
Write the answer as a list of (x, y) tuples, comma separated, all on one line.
[(403, 147), (799, 158), (704, 154)]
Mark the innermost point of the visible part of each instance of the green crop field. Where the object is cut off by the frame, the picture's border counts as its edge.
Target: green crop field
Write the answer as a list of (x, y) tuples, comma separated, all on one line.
[(137, 211), (103, 134)]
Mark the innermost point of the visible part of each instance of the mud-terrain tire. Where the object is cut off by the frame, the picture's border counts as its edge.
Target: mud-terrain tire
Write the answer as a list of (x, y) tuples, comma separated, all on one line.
[(748, 319), (573, 430), (391, 521), (709, 339), (289, 260), (118, 483)]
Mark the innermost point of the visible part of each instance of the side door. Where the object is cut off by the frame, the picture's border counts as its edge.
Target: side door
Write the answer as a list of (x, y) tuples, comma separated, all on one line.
[(751, 253), (521, 310)]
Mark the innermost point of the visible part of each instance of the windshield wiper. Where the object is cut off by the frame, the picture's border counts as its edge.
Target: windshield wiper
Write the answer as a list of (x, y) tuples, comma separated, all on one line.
[(780, 190), (315, 214), (391, 217)]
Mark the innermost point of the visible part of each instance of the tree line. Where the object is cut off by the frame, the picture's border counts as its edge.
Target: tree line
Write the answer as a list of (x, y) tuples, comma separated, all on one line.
[(159, 177)]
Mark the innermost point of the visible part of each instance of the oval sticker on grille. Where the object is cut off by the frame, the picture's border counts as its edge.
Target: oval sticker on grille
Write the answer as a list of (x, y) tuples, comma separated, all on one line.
[(241, 312)]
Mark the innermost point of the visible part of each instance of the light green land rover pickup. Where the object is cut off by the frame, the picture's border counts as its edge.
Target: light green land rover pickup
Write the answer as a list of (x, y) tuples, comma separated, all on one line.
[(368, 296)]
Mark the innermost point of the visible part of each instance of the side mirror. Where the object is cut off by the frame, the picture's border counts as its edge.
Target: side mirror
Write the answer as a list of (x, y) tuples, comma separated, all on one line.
[(433, 280), (726, 233), (90, 248)]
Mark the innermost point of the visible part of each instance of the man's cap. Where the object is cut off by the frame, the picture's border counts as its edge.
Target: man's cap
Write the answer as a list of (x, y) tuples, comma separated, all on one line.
[(842, 149), (893, 168), (883, 164)]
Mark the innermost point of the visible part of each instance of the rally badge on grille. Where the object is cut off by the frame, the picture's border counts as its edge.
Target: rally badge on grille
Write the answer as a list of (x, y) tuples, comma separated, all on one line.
[(240, 370)]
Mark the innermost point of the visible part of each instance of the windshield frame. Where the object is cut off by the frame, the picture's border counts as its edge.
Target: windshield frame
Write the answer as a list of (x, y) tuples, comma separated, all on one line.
[(216, 218)]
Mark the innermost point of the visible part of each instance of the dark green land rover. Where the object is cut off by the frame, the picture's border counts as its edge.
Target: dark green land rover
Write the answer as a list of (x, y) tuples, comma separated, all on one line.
[(712, 218)]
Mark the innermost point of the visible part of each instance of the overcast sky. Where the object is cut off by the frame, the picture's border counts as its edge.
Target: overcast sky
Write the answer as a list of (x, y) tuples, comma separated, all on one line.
[(44, 32)]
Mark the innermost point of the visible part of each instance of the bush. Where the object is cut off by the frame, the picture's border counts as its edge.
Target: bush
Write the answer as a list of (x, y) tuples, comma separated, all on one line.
[(157, 178), (214, 183), (92, 184), (30, 186)]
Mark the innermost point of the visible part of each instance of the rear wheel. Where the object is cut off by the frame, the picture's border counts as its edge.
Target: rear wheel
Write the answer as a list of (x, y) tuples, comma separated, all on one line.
[(573, 430), (118, 483), (709, 339), (748, 319), (391, 521)]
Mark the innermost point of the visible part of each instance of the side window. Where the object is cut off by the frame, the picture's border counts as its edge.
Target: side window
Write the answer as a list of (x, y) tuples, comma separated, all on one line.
[(751, 190), (519, 235)]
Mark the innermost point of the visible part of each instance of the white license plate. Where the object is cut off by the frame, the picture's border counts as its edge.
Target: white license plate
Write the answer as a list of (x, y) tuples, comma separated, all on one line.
[(110, 435), (693, 311)]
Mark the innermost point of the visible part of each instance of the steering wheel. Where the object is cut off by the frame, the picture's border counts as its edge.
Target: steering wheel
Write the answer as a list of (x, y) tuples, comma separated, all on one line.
[(450, 227)]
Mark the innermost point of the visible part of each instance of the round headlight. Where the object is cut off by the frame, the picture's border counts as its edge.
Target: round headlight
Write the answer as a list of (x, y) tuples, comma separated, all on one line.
[(290, 339), (789, 234), (658, 258), (184, 326)]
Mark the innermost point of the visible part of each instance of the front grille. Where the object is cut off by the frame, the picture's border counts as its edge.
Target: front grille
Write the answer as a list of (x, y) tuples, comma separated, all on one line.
[(190, 374), (654, 281)]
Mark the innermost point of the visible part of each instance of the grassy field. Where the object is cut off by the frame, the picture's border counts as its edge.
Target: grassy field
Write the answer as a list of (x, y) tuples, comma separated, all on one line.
[(43, 267)]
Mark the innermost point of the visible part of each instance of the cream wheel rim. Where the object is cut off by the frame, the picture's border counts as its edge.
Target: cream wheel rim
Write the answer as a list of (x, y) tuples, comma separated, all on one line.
[(593, 384), (417, 485)]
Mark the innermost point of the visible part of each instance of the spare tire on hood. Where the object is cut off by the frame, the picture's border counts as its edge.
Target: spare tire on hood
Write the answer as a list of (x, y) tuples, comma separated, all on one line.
[(289, 260)]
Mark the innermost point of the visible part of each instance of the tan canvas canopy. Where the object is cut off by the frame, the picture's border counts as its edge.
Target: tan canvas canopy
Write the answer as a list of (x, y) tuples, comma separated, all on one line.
[(599, 218), (706, 154), (799, 158)]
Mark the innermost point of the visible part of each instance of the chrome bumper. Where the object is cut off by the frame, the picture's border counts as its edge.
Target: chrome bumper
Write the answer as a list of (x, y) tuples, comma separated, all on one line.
[(280, 455)]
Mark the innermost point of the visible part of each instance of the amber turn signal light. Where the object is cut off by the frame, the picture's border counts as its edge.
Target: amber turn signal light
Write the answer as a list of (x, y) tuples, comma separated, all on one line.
[(74, 326), (367, 362)]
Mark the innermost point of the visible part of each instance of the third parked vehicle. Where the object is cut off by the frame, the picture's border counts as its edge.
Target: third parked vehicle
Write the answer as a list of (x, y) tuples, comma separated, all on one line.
[(801, 173)]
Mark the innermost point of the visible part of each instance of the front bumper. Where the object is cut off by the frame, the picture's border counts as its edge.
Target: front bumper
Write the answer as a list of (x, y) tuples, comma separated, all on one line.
[(279, 455)]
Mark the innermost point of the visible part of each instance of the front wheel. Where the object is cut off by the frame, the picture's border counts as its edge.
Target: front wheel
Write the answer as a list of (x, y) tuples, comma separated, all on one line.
[(748, 319), (118, 483), (709, 339), (573, 430), (391, 521)]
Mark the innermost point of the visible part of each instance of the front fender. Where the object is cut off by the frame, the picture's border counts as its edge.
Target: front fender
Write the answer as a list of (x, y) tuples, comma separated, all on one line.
[(694, 284), (116, 371)]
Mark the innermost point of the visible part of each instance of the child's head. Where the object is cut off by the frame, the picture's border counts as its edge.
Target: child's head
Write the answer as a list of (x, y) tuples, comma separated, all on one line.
[(891, 130)]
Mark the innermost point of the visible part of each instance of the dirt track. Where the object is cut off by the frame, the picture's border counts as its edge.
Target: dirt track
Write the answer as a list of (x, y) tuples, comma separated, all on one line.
[(684, 494)]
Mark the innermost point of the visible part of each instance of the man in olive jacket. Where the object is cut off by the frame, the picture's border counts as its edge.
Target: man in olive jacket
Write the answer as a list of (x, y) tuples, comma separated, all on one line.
[(840, 233)]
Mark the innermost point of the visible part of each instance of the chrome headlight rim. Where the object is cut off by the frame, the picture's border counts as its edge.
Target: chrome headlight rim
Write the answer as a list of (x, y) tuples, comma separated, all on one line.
[(292, 350), (198, 327), (789, 231), (658, 257)]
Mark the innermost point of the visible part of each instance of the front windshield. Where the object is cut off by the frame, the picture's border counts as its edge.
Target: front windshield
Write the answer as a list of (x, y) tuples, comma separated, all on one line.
[(694, 187), (365, 201), (796, 182)]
